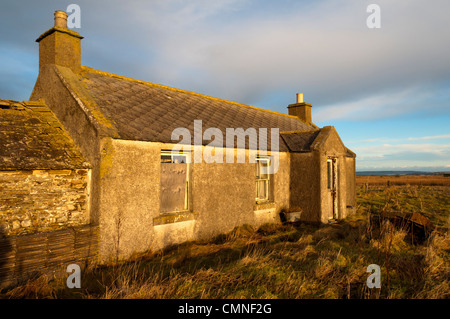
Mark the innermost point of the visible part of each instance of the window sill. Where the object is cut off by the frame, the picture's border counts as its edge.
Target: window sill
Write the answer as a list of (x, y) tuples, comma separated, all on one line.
[(170, 218), (264, 207)]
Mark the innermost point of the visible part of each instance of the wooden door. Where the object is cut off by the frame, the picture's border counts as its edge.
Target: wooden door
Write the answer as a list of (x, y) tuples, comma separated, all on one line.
[(332, 188)]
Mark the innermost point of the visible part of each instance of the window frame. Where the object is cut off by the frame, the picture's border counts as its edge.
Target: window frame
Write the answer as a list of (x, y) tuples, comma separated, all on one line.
[(331, 173), (187, 156), (259, 178)]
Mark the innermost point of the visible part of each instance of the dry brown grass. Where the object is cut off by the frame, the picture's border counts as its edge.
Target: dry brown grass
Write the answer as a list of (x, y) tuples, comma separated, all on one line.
[(292, 262), (424, 180), (285, 261)]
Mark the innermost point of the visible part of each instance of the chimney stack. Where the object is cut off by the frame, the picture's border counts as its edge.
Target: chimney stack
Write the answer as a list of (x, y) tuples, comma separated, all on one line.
[(60, 46), (301, 109)]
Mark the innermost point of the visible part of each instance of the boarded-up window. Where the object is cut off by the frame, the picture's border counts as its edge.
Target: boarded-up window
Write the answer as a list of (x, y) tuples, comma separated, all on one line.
[(174, 182), (262, 179)]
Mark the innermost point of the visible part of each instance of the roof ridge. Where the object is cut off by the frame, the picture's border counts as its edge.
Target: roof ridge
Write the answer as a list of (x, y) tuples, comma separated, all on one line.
[(10, 104), (89, 69), (84, 100), (296, 132)]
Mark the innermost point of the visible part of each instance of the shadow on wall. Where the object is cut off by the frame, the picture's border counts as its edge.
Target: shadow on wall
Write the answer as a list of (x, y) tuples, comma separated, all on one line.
[(5, 263)]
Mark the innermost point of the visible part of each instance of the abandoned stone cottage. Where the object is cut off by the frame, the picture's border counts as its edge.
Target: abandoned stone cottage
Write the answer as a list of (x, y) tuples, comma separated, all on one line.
[(141, 195)]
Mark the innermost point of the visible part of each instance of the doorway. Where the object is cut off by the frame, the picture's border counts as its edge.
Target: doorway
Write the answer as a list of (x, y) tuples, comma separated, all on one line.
[(332, 188)]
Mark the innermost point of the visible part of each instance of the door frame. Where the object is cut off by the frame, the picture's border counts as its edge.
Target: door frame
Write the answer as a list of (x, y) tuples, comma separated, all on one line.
[(332, 187)]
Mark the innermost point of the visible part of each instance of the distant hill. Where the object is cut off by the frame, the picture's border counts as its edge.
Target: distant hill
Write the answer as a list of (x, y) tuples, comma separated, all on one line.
[(381, 173)]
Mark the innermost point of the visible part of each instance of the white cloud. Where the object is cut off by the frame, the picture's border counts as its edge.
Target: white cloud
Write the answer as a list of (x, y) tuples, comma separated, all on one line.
[(423, 138), (247, 50), (327, 52), (372, 107), (402, 156), (396, 140), (243, 50), (398, 148)]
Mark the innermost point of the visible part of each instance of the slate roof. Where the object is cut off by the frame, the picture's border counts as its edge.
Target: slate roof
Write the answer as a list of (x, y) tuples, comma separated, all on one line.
[(32, 138), (150, 112), (299, 141)]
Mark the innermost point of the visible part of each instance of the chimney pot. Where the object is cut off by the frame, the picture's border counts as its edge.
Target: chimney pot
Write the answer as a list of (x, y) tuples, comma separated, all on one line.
[(61, 19), (301, 109)]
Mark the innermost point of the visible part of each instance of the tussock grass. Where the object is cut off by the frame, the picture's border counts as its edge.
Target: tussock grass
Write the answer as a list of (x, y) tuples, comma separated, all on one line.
[(284, 261)]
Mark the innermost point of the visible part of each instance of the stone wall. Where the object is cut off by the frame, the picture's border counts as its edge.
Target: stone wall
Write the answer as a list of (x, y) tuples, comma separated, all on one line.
[(42, 200)]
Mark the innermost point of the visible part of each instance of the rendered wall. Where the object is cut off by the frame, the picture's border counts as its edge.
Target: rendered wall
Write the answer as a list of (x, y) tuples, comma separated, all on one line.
[(341, 196), (305, 186), (63, 101), (334, 148), (129, 197), (222, 197), (350, 170)]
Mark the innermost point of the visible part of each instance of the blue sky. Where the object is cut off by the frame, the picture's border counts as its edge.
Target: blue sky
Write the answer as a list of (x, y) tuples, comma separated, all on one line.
[(387, 90)]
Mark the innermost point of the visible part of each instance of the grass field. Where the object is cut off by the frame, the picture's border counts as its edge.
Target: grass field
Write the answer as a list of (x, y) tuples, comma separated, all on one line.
[(425, 180), (287, 261)]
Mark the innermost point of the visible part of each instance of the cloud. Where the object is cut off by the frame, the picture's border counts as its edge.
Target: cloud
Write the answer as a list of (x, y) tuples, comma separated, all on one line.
[(369, 108), (326, 52), (414, 101), (246, 50), (423, 138), (392, 140), (262, 53), (440, 150), (402, 155)]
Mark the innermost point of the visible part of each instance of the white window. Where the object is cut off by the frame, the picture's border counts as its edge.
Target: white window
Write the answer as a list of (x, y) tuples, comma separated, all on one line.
[(174, 182), (262, 179)]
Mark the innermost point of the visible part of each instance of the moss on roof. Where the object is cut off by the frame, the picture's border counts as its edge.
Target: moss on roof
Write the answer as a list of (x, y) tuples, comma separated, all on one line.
[(145, 111), (86, 70), (31, 137)]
